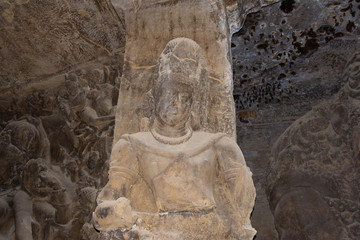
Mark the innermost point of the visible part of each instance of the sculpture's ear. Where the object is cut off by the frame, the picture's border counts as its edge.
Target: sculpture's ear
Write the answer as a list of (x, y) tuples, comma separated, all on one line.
[(195, 121)]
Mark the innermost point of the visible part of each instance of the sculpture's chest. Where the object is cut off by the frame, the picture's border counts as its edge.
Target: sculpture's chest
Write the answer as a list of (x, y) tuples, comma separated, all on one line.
[(199, 164), (179, 181)]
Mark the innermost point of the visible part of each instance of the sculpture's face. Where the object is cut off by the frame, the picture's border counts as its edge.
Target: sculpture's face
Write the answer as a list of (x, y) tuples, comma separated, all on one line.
[(173, 103), (39, 179)]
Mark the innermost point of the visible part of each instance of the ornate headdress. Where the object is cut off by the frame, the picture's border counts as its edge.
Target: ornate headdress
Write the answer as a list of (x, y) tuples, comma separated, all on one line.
[(183, 61)]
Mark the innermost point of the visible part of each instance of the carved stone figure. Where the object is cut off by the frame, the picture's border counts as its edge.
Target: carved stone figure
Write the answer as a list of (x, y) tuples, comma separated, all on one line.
[(55, 139), (315, 170), (171, 182), (16, 221), (49, 197), (78, 103), (20, 141)]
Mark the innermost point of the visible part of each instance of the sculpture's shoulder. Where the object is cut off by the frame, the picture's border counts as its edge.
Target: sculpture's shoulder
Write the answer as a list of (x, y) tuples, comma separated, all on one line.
[(122, 146), (138, 138), (229, 150), (207, 138), (226, 142)]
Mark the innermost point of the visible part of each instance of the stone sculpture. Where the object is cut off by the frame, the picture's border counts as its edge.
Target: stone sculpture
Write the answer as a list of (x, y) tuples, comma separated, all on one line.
[(20, 141), (78, 103), (315, 170), (38, 191), (171, 182)]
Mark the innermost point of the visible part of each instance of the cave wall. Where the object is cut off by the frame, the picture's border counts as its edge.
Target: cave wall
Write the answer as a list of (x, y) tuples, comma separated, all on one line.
[(287, 58), (41, 38)]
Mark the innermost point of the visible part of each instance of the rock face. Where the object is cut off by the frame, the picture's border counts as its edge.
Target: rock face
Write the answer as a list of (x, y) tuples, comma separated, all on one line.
[(42, 38), (287, 58), (315, 168), (171, 182), (58, 157)]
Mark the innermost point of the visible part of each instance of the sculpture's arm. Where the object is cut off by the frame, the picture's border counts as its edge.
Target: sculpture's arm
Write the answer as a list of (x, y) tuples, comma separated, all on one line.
[(123, 172), (240, 192), (23, 212), (114, 209)]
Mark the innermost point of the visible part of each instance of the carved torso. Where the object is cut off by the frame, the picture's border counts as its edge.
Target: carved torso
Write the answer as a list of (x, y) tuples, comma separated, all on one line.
[(181, 176)]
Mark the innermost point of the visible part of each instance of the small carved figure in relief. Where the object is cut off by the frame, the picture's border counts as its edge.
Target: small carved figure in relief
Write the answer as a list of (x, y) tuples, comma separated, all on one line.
[(79, 102), (172, 182), (20, 141)]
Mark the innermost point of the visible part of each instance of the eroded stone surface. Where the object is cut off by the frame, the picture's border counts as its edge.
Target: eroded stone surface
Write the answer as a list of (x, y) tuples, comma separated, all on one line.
[(59, 73), (315, 169), (42, 38), (58, 155), (279, 78)]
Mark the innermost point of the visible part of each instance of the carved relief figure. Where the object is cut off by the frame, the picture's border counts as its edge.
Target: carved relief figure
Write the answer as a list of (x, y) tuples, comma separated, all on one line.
[(19, 141), (172, 182), (77, 103), (25, 161), (315, 170)]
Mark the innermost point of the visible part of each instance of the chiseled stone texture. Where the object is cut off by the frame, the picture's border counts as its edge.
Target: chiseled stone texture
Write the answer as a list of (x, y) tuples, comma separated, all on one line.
[(56, 148), (59, 68), (41, 38), (287, 58)]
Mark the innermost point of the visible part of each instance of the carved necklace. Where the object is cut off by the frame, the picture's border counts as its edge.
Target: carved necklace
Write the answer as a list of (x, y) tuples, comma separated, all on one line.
[(172, 140)]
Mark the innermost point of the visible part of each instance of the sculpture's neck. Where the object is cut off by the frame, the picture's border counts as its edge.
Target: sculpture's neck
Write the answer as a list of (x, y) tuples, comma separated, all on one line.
[(170, 135)]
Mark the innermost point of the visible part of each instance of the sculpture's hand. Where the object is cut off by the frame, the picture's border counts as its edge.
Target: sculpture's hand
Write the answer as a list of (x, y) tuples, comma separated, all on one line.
[(110, 215)]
